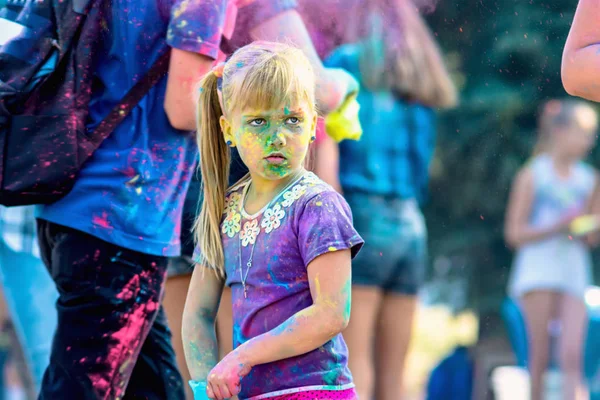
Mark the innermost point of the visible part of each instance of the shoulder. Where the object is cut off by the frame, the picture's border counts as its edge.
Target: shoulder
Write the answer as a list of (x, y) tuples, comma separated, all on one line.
[(320, 195), (233, 196), (252, 13), (344, 56), (197, 26), (524, 177), (587, 173), (539, 166)]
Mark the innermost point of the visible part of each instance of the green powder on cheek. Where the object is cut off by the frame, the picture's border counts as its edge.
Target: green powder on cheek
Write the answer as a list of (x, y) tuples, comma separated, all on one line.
[(278, 169)]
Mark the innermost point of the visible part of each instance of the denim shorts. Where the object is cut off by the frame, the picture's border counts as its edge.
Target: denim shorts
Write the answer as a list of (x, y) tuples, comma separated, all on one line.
[(394, 257)]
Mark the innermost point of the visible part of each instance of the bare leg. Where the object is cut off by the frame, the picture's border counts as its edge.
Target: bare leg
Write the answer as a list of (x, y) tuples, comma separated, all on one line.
[(393, 337), (538, 307), (573, 317), (173, 303), (359, 336)]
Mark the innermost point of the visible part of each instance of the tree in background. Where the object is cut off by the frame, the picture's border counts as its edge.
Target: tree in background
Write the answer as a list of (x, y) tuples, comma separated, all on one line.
[(507, 55)]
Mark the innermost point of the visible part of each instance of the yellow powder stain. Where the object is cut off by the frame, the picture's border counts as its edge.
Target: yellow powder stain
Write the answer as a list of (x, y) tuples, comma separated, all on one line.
[(319, 203), (133, 180), (181, 9), (182, 24), (332, 248), (328, 302)]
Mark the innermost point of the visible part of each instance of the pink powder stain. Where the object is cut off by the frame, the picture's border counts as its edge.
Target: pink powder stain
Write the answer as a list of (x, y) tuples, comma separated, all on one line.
[(125, 345), (131, 289), (102, 220)]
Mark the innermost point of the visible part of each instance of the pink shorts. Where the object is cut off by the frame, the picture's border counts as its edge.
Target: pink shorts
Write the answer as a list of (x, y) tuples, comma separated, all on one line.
[(348, 394)]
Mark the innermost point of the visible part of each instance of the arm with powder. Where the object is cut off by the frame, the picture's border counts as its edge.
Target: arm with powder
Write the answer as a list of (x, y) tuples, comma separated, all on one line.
[(329, 277), (198, 326)]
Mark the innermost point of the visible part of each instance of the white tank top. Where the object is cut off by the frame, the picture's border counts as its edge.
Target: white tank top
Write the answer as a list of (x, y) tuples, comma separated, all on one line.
[(558, 262)]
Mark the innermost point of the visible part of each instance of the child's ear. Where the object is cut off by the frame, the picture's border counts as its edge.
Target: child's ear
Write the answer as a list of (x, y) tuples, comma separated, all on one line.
[(227, 131)]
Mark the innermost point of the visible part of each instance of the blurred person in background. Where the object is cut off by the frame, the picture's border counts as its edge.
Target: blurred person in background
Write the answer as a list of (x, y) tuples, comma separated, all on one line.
[(384, 177), (28, 290), (552, 266)]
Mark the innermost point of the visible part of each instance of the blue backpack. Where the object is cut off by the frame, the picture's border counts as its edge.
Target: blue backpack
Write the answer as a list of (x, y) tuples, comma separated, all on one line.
[(452, 378), (48, 51)]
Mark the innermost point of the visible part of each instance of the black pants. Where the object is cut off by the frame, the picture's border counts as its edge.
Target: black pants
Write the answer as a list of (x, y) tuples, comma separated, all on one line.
[(112, 339)]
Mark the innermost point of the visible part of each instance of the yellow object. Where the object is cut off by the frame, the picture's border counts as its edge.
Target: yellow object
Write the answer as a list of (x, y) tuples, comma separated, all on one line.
[(584, 225), (343, 123), (436, 332)]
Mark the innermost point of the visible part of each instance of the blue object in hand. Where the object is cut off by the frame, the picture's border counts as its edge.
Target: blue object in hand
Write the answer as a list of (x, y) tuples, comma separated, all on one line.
[(199, 389)]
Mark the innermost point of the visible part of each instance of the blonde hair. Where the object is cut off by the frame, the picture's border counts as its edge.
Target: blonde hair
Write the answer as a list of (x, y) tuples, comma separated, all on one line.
[(261, 75), (560, 113), (399, 53)]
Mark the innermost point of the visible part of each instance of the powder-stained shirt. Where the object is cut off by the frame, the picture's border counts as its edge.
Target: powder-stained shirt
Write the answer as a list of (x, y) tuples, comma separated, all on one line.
[(306, 220), (392, 158), (131, 191)]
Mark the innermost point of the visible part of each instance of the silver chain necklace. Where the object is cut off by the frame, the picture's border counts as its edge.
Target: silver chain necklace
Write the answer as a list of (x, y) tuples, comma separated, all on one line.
[(244, 277)]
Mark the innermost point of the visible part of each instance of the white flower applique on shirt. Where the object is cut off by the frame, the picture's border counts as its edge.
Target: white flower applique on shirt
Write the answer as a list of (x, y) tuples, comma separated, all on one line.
[(292, 195), (232, 224), (311, 180), (271, 217), (250, 232), (232, 202)]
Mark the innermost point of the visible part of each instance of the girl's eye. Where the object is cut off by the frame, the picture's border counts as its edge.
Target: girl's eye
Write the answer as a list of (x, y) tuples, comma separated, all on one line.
[(293, 120), (258, 122)]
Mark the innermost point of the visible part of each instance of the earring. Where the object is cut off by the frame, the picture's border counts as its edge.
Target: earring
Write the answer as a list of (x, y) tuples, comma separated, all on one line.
[(313, 138), (229, 143)]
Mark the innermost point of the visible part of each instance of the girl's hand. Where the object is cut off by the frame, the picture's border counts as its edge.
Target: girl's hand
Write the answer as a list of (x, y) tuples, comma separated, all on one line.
[(565, 224), (224, 379)]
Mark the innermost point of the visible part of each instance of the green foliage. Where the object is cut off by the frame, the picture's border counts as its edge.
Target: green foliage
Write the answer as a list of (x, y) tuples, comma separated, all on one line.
[(506, 58)]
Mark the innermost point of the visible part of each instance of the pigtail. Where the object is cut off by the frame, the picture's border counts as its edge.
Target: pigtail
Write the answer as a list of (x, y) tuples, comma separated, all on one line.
[(214, 167)]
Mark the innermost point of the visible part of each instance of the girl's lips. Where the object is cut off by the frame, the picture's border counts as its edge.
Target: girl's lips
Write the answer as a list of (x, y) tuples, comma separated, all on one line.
[(275, 158)]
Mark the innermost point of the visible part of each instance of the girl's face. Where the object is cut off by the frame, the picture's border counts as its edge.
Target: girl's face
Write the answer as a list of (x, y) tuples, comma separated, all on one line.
[(272, 143)]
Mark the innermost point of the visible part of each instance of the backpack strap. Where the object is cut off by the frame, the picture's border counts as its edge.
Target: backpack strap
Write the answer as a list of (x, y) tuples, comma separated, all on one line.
[(132, 98)]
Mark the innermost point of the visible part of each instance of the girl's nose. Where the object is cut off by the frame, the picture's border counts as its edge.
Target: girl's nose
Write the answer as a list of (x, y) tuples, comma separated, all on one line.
[(278, 138)]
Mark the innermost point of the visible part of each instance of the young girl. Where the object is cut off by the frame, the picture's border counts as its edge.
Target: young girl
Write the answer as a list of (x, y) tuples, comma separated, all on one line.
[(552, 268), (384, 178), (280, 238)]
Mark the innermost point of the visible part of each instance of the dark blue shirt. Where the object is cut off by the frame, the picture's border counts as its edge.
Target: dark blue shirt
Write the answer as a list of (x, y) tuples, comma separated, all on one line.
[(392, 158), (131, 191)]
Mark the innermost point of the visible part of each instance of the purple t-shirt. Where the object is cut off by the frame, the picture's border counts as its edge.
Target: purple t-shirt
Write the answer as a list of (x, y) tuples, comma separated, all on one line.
[(306, 220)]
